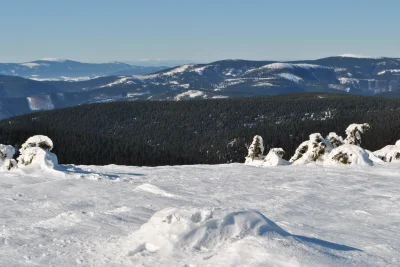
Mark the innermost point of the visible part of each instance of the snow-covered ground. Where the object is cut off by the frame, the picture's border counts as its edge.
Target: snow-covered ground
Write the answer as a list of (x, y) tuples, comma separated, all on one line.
[(220, 215)]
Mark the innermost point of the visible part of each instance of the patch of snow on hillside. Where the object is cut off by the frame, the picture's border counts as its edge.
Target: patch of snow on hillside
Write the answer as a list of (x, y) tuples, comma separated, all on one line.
[(53, 59), (122, 80), (260, 84), (176, 70), (356, 56), (391, 71), (311, 66), (31, 65), (200, 69), (290, 77), (277, 66), (189, 94), (40, 102)]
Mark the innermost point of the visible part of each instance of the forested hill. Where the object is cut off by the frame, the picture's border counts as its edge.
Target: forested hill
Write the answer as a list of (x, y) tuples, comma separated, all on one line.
[(200, 131)]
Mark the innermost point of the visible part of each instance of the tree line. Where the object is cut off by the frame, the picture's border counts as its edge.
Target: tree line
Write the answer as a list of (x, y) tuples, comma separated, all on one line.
[(151, 133)]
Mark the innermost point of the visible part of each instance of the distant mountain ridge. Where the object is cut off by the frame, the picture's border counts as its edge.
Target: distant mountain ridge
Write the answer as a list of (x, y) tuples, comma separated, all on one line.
[(220, 79), (69, 70)]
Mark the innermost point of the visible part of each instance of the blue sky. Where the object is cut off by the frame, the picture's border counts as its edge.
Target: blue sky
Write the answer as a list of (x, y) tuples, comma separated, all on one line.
[(122, 30)]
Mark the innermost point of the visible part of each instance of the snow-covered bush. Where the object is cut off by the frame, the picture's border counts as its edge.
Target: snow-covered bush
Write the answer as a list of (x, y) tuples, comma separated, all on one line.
[(312, 150), (349, 155), (35, 152), (41, 141), (354, 132), (274, 158), (6, 157), (256, 148), (335, 139), (389, 153)]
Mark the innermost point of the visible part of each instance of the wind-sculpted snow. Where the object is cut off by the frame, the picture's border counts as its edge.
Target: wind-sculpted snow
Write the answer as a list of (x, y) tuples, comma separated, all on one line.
[(202, 215)]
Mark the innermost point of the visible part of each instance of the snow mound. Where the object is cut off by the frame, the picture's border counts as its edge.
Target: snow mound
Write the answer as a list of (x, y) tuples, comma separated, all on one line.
[(198, 229), (398, 143), (389, 153), (209, 237), (350, 155), (41, 141), (274, 158), (38, 158)]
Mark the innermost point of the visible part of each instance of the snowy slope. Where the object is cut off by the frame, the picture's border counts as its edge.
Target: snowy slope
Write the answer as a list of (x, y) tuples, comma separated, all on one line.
[(221, 215)]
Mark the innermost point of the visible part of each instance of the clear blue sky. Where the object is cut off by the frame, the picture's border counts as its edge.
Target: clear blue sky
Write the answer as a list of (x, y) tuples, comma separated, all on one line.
[(206, 30)]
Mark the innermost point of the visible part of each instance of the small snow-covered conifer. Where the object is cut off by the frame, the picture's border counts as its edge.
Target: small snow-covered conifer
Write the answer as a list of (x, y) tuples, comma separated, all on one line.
[(335, 139), (354, 132), (256, 148), (312, 150)]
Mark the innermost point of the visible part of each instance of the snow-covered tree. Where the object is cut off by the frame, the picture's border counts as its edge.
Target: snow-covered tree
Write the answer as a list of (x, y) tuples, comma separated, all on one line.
[(312, 150), (354, 132), (256, 148), (6, 157), (36, 152), (335, 139), (274, 157), (350, 155)]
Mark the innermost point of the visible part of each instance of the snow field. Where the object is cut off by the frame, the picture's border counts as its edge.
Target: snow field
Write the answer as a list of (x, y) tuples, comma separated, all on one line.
[(201, 215)]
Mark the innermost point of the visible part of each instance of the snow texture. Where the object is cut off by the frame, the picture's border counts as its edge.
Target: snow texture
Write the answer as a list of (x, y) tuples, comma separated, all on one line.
[(221, 215)]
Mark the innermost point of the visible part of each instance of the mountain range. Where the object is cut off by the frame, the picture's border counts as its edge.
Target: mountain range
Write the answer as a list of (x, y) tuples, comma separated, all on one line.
[(346, 74), (68, 70)]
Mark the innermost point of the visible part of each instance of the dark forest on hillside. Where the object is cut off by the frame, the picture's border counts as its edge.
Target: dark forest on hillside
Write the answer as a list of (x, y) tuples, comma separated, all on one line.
[(200, 131)]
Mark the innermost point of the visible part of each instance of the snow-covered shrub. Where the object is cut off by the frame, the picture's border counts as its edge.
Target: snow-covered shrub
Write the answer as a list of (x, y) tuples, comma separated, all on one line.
[(274, 157), (6, 157), (38, 157), (354, 132), (389, 153), (349, 155), (35, 152), (41, 141), (312, 150), (335, 140), (6, 152)]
